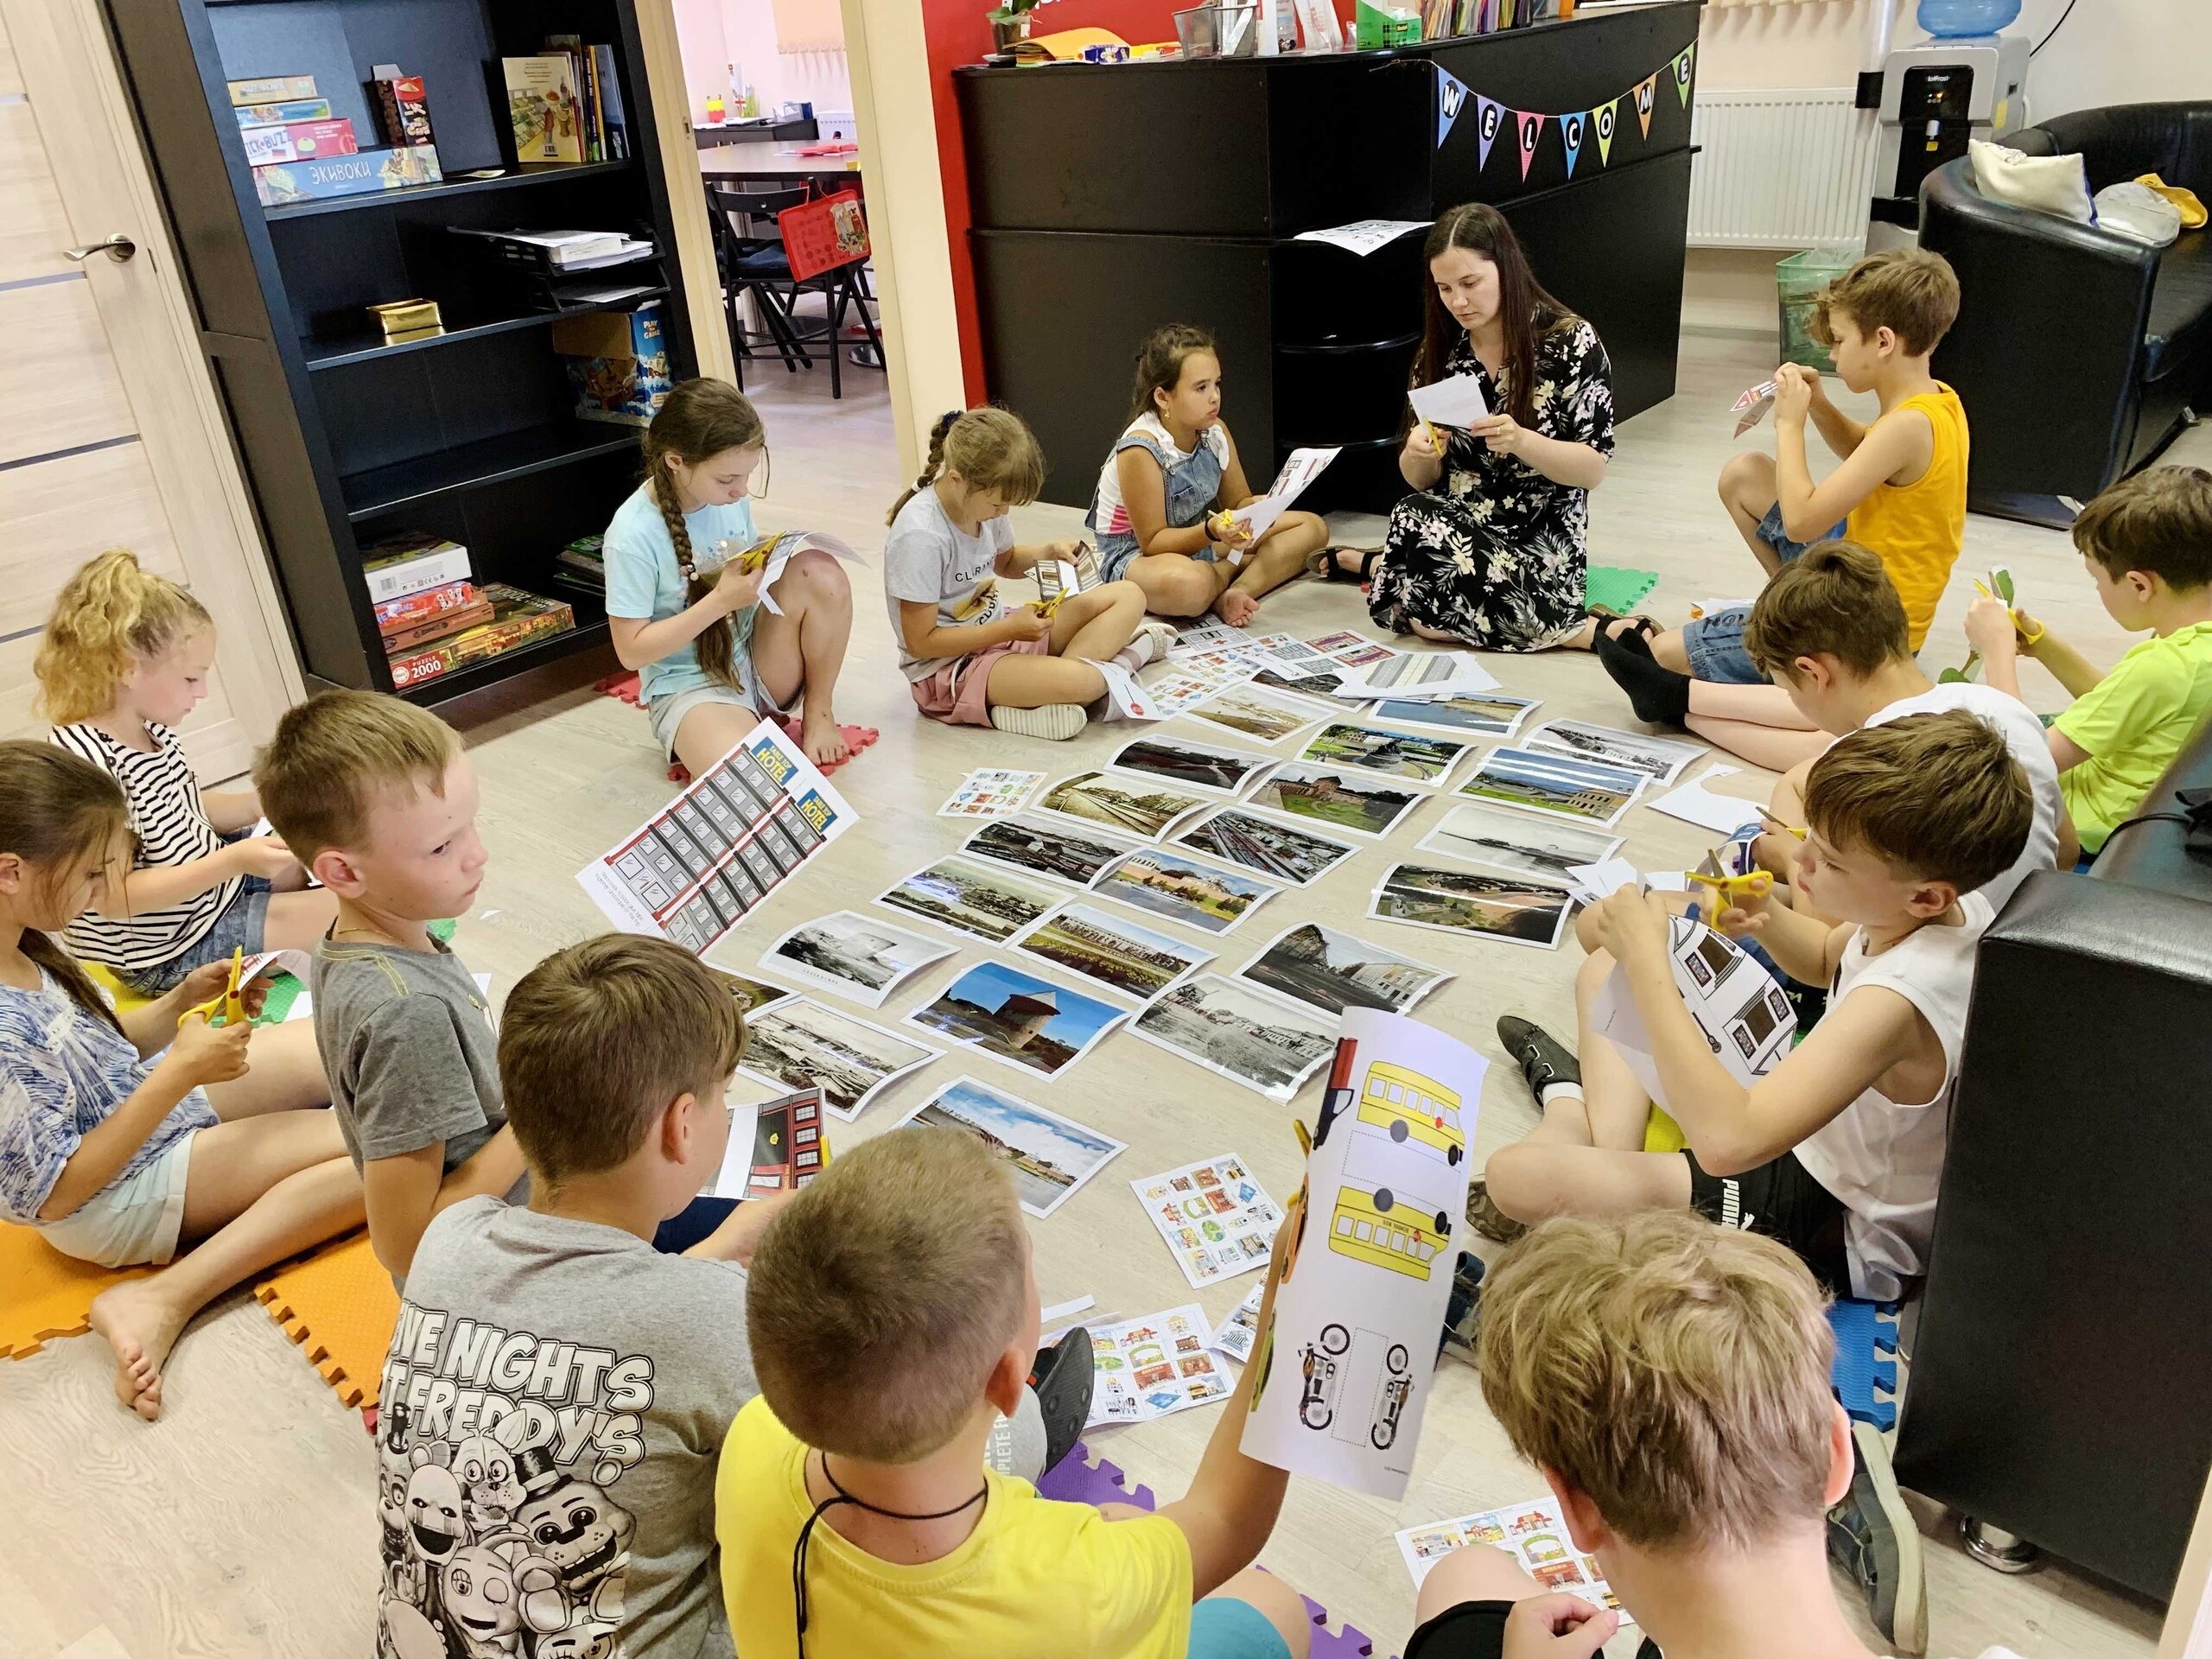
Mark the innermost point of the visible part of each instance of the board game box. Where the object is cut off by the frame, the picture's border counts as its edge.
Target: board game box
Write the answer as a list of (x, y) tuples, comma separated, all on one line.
[(518, 617)]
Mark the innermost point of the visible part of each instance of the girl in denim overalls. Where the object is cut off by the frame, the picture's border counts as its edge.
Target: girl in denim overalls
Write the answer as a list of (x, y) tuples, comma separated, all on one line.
[(1173, 472)]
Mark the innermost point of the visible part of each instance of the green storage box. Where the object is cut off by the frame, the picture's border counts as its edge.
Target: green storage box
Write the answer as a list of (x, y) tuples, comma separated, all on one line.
[(1796, 280)]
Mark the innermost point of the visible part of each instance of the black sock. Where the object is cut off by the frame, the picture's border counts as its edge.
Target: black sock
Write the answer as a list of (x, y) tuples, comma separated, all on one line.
[(1631, 638), (1659, 696)]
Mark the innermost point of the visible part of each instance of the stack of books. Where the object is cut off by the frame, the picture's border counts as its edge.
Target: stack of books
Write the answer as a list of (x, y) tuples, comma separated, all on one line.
[(565, 105), (581, 567)]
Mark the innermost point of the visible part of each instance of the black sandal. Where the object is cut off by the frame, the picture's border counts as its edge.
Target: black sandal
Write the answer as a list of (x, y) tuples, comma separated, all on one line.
[(1601, 615), (1324, 565)]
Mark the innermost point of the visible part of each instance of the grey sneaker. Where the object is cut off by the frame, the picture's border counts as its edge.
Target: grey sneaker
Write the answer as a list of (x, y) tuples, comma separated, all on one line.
[(1486, 1218), (1872, 1536), (1056, 720), (1543, 1059)]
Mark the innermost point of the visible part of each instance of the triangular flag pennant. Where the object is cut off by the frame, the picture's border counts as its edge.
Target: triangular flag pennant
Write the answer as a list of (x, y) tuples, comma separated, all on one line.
[(1682, 73), (1451, 94), (1570, 133), (1532, 128), (1489, 114), (1643, 93), (1601, 119)]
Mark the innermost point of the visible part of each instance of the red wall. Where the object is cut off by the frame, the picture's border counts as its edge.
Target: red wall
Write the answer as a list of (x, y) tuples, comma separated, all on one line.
[(956, 34)]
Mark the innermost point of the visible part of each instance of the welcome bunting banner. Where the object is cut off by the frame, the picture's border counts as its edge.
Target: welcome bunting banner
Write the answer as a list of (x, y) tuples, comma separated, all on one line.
[(1575, 128)]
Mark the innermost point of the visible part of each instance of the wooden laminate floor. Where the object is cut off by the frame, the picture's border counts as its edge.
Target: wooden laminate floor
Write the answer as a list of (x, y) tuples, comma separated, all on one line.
[(243, 1523)]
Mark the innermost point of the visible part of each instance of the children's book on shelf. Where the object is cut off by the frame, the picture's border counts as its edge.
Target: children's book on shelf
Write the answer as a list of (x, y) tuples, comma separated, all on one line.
[(320, 178), (542, 110), (402, 110), (610, 97), (275, 115), (296, 141), (517, 619), (412, 562), (580, 565), (270, 89)]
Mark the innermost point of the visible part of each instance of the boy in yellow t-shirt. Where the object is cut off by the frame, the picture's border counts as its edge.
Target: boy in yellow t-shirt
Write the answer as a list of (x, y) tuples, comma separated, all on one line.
[(892, 1313), (2147, 544)]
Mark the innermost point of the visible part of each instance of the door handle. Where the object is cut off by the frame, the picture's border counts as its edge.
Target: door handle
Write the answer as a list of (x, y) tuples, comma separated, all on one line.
[(117, 247)]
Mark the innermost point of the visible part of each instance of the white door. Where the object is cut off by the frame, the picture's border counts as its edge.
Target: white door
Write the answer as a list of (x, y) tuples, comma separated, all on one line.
[(109, 432)]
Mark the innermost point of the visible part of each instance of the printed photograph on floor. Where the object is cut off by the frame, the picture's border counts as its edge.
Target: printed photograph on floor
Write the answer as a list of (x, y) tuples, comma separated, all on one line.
[(1048, 1156), (1202, 896), (1191, 766), (855, 955), (1133, 804), (1516, 841), (751, 995), (801, 1043), (1554, 786), (1334, 971), (981, 899), (1240, 1033), (1015, 1017), (1518, 910), (1114, 950), (1236, 837), (1393, 755), (1360, 803), (1050, 848), (1258, 715), (1660, 758), (1477, 714)]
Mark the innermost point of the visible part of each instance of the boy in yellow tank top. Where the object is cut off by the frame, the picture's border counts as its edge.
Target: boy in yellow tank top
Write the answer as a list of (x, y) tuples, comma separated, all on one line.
[(1900, 490)]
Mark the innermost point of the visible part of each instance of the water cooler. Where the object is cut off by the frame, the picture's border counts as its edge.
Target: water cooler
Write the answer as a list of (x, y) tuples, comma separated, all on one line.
[(1934, 97)]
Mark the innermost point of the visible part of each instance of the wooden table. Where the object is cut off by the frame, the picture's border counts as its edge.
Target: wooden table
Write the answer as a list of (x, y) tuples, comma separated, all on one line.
[(761, 158)]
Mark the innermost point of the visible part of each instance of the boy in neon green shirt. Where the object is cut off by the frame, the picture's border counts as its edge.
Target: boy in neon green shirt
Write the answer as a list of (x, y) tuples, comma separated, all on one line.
[(2147, 544)]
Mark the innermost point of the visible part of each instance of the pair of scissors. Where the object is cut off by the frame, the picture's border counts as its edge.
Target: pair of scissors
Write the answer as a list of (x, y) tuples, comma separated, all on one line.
[(227, 1006), (2034, 637)]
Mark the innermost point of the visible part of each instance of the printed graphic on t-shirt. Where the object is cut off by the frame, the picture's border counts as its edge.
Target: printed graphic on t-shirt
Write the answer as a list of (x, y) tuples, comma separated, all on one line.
[(498, 1456), (980, 605)]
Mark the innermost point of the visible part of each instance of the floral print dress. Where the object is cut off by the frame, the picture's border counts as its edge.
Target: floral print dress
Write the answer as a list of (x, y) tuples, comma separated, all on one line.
[(1492, 553)]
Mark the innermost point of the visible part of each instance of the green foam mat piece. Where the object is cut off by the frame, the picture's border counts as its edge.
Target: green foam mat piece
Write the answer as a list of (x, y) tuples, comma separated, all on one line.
[(1618, 589)]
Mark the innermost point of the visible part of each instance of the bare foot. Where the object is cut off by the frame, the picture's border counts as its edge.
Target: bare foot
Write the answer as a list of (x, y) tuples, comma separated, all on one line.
[(1236, 607), (141, 1325), (820, 738)]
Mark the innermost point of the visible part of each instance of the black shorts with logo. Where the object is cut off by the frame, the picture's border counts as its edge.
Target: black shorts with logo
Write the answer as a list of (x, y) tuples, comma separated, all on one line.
[(1475, 1629), (1779, 1200)]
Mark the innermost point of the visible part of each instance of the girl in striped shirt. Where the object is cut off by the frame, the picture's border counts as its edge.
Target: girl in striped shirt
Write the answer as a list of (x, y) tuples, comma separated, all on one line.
[(125, 658)]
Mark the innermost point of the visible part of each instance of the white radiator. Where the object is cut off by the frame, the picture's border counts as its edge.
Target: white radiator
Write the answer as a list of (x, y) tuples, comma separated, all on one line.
[(1779, 167)]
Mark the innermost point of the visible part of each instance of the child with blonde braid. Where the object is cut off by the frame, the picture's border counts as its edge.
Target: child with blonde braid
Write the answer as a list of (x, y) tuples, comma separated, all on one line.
[(125, 656), (712, 660), (969, 660)]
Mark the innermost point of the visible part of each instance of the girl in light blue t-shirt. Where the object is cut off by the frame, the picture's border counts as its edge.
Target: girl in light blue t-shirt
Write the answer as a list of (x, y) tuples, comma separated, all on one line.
[(710, 660)]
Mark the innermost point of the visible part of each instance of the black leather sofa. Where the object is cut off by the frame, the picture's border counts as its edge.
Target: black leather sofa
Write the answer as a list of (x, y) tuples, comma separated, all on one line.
[(2061, 1384), (2078, 352)]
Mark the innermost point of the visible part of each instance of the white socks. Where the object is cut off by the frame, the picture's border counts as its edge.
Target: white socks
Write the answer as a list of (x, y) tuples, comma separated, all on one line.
[(1551, 1091)]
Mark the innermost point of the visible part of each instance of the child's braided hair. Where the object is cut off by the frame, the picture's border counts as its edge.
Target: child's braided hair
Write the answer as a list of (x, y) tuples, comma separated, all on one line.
[(991, 448), (699, 420)]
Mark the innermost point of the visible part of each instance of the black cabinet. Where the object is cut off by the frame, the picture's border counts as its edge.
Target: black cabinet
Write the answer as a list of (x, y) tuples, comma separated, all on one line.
[(468, 434), (1110, 199)]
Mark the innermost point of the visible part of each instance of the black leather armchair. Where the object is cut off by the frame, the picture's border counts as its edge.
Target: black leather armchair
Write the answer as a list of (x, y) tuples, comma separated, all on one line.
[(2078, 353), (2060, 1387)]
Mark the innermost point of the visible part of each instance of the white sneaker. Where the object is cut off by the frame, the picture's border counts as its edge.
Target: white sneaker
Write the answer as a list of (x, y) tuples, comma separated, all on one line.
[(1056, 720)]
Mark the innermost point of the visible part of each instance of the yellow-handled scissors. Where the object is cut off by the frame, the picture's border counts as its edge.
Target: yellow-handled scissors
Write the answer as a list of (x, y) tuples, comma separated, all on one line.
[(2032, 638), (1732, 886), (227, 1007)]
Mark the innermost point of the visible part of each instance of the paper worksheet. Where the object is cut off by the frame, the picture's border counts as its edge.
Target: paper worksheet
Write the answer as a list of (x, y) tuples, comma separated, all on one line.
[(990, 792), (1154, 1366), (1363, 235), (1697, 803), (1241, 1330), (1747, 1020), (1302, 469), (1456, 401), (1350, 1355), (1214, 1215), (1534, 1533), (776, 552)]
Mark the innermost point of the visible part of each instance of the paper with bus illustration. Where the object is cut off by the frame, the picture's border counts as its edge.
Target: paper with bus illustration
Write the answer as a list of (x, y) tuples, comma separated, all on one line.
[(1348, 1361), (1747, 1020), (1154, 1366), (1534, 1532)]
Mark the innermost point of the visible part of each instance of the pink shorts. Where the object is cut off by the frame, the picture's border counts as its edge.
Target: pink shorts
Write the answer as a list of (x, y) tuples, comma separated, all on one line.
[(954, 693)]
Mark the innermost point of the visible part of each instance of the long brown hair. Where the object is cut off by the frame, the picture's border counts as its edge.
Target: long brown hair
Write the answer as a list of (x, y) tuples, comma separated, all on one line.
[(56, 811), (1159, 362), (699, 420), (991, 448), (110, 614), (1523, 306)]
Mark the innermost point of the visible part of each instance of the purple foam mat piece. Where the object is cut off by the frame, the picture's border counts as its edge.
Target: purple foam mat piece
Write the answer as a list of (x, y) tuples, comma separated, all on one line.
[(1076, 1480)]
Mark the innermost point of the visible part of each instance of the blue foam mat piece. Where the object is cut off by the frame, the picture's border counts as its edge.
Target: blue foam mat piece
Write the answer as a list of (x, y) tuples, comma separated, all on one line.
[(1864, 1380)]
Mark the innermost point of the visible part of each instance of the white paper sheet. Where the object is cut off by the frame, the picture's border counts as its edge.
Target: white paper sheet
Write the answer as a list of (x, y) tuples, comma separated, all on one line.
[(1302, 469), (1534, 1532), (1125, 698), (782, 547), (1363, 235), (1215, 1217), (1241, 1329), (1154, 1367), (1456, 401), (695, 869), (1605, 878), (990, 792), (1416, 675), (1697, 803), (1747, 1020), (1356, 1320)]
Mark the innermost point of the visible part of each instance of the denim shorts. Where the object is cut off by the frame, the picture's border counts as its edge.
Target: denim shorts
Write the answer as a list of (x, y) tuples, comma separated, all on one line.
[(1222, 1627), (667, 713), (240, 927), (1117, 553), (1714, 642)]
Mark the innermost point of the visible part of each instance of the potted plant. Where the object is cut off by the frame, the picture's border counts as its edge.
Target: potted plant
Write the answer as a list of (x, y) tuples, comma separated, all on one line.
[(1009, 21)]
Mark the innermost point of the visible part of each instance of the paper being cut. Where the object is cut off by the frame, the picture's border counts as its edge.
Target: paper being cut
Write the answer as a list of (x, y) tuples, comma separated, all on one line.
[(1349, 1359), (1747, 1020), (772, 556), (1457, 401), (1302, 469), (1696, 803)]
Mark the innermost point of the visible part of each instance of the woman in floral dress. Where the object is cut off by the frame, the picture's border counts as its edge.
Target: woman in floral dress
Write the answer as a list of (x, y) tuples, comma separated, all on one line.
[(1488, 550)]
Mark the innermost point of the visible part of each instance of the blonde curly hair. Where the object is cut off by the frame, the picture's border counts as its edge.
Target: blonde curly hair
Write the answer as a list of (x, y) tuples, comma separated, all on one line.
[(110, 614)]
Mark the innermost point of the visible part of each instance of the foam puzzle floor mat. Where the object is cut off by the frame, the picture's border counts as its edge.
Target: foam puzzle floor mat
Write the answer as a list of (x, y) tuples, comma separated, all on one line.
[(49, 1295), (1076, 1480), (1618, 589), (339, 1306), (623, 687)]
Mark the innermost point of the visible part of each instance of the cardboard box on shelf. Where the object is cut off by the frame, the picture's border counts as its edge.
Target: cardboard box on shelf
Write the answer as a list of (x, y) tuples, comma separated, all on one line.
[(617, 363), (270, 89), (317, 178), (402, 111), (412, 563), (275, 115), (296, 141), (519, 619)]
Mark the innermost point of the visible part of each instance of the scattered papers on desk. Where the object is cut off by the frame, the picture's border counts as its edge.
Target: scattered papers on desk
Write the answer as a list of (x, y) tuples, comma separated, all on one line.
[(1355, 1321), (1534, 1533), (1363, 235), (990, 792), (1456, 400), (1302, 469), (1696, 803), (692, 871), (1154, 1367), (1418, 674), (1747, 1020), (1236, 1337), (1215, 1216)]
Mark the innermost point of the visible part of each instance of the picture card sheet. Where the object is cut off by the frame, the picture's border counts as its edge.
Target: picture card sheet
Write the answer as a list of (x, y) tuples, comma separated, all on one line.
[(1534, 1532), (1217, 1219), (1154, 1367)]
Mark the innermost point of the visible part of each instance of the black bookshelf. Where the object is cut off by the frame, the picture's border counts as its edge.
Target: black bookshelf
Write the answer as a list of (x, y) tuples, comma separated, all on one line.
[(470, 433), (1109, 199)]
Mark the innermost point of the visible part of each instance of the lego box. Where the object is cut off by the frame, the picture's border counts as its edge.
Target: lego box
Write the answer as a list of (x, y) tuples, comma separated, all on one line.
[(369, 171), (296, 141)]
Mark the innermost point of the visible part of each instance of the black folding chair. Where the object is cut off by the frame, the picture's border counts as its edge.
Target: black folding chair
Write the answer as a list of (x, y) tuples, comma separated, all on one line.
[(751, 264)]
